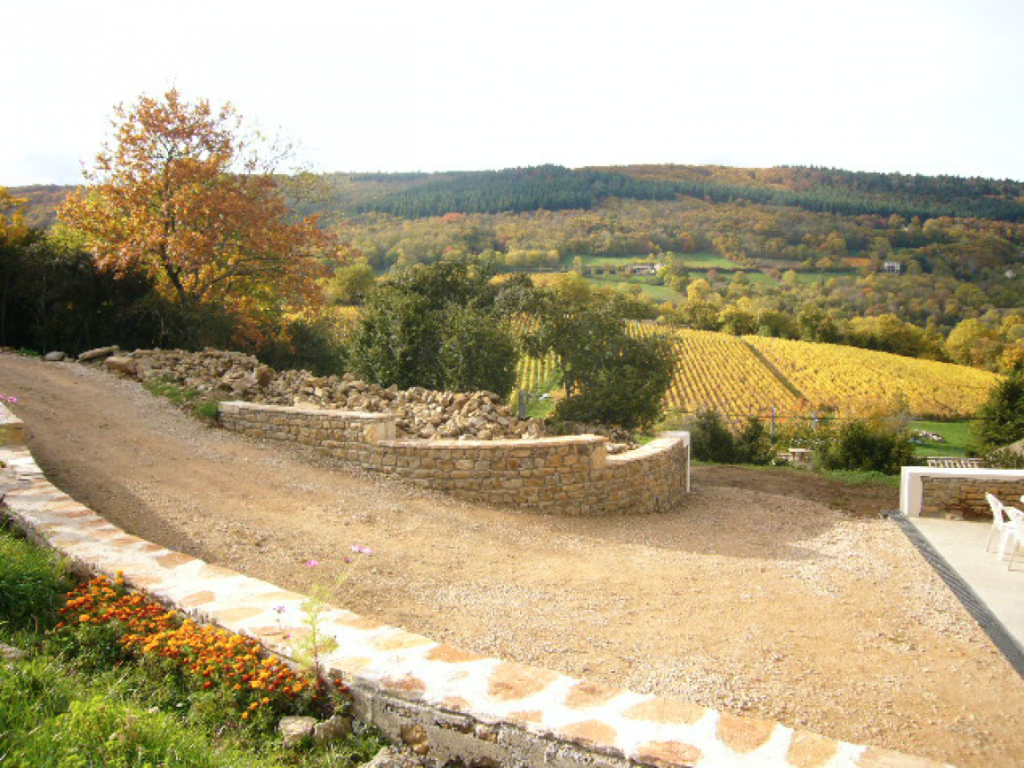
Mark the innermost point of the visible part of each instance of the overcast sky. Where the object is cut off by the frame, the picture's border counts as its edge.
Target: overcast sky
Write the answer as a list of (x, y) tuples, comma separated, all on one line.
[(916, 86)]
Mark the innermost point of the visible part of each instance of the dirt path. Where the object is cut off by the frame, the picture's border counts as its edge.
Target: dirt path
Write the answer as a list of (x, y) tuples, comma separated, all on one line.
[(756, 597)]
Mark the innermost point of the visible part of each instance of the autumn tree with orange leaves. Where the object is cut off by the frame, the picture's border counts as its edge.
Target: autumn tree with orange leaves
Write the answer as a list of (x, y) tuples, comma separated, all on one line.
[(184, 195)]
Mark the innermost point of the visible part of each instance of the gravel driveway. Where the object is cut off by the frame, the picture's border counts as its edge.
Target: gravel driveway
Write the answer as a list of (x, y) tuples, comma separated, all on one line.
[(771, 593)]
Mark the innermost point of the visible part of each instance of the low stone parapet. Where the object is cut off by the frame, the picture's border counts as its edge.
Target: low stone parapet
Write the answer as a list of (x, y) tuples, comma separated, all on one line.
[(957, 493), (562, 475)]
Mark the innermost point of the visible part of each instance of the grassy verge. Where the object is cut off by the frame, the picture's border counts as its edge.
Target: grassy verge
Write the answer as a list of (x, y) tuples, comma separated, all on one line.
[(113, 679), (192, 400), (858, 478)]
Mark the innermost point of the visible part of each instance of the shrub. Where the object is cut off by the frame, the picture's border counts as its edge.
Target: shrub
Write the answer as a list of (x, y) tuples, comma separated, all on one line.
[(868, 446), (1004, 458), (754, 445), (1000, 421), (434, 326), (710, 438)]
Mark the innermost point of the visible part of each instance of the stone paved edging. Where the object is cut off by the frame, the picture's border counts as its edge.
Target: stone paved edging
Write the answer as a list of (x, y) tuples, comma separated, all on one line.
[(446, 704)]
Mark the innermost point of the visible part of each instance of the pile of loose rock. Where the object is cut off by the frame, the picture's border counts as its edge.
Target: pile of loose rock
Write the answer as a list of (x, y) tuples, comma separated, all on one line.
[(418, 412)]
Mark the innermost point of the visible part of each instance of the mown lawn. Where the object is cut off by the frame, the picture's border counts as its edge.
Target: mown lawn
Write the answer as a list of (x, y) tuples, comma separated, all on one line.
[(955, 433)]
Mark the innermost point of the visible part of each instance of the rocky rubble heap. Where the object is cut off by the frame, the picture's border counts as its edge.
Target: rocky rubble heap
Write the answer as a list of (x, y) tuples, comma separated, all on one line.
[(418, 412)]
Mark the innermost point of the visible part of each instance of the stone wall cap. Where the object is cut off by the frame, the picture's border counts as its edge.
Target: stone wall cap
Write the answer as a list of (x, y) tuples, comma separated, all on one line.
[(233, 406), (960, 472), (533, 442)]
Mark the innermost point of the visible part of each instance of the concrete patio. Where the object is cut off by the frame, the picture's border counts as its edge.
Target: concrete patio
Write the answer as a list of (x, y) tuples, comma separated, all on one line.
[(962, 545)]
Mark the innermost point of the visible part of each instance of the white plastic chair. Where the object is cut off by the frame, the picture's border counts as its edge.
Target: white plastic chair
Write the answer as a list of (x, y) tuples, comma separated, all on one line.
[(1015, 535), (1000, 524)]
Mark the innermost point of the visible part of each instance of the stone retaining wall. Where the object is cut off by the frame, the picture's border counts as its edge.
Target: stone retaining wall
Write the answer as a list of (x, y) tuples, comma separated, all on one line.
[(450, 706), (563, 475), (958, 493)]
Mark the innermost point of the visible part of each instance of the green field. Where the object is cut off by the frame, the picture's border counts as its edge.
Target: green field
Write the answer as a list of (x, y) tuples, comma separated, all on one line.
[(698, 260), (956, 434), (656, 292)]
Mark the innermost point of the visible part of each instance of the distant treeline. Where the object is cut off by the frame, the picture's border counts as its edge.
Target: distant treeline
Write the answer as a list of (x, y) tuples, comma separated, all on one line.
[(556, 188), (852, 194), (516, 190)]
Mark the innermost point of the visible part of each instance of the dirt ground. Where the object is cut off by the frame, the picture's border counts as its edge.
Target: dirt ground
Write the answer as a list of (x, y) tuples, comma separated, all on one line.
[(773, 593)]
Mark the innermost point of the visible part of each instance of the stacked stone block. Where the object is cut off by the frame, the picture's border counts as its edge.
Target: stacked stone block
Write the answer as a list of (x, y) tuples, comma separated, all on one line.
[(560, 475), (964, 497)]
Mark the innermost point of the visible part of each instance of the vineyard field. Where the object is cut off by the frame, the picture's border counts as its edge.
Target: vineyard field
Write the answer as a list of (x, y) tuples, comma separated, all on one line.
[(858, 381), (716, 370)]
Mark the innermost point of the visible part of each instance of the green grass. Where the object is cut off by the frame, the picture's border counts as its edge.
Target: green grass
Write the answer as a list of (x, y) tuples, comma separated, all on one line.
[(173, 392), (656, 292), (203, 407), (698, 260), (32, 585), (956, 434), (858, 478)]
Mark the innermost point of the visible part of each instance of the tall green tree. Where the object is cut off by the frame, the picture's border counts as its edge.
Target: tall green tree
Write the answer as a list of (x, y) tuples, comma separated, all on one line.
[(435, 326), (609, 376), (1000, 421)]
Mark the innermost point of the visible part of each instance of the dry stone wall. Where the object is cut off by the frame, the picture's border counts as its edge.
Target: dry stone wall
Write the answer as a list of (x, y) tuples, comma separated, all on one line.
[(563, 475)]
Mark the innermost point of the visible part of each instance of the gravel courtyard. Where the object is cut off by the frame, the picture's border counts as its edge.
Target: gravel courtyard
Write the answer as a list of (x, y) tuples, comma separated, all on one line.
[(770, 593)]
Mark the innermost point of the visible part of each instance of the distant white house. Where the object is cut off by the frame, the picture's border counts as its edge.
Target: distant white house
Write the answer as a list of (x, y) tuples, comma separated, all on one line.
[(893, 268), (643, 269)]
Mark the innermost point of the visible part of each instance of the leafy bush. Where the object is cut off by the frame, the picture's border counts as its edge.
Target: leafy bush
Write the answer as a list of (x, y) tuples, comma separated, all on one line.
[(1000, 421), (754, 445), (477, 353), (1004, 458), (623, 383), (710, 438), (435, 326), (868, 446), (32, 584)]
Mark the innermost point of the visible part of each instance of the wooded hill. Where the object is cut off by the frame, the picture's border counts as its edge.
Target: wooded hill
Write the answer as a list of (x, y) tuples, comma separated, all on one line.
[(554, 188)]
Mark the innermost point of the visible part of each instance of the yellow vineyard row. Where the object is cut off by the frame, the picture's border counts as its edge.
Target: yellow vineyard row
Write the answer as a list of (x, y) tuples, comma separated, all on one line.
[(716, 370), (859, 381)]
